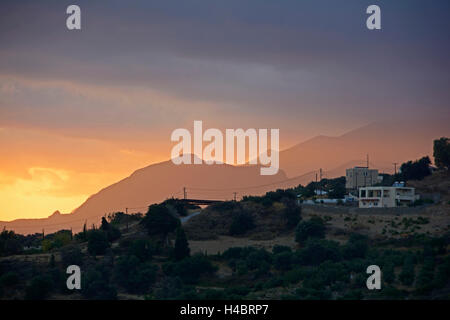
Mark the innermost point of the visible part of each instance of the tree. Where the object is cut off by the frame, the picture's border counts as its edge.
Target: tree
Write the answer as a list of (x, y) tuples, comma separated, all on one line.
[(291, 212), (416, 170), (407, 275), (134, 276), (95, 285), (39, 288), (356, 247), (113, 233), (313, 228), (441, 152), (71, 255), (389, 272), (105, 224), (317, 251), (9, 243), (97, 242), (241, 223), (159, 220), (190, 269), (181, 250)]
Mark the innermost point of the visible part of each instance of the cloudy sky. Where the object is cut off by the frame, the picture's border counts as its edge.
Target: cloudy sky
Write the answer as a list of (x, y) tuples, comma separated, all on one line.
[(82, 109)]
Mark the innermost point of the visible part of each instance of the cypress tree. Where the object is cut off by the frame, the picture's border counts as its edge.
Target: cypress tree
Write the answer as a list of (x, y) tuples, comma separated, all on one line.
[(181, 250)]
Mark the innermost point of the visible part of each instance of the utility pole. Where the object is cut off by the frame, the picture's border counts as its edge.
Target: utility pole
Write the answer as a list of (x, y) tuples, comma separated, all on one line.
[(320, 181), (43, 234), (367, 161), (184, 193), (395, 167), (234, 193), (126, 210)]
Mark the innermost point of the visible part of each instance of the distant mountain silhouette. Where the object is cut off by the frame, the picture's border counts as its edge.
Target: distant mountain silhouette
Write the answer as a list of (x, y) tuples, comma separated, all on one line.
[(153, 184), (384, 142)]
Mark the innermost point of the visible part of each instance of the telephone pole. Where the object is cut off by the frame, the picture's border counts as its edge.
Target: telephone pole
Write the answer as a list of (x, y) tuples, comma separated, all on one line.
[(184, 193), (395, 167)]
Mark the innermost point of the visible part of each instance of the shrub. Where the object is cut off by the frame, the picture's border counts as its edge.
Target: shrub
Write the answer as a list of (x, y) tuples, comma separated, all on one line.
[(95, 285), (39, 288), (97, 242), (190, 269), (278, 249), (283, 260), (317, 251), (9, 243), (314, 228), (356, 247), (9, 279), (141, 248), (113, 233), (71, 255), (241, 223), (134, 276), (291, 212), (407, 275)]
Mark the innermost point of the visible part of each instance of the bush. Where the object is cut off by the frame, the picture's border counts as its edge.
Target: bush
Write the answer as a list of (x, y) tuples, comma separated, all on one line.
[(9, 243), (314, 228), (39, 288), (189, 270), (71, 255), (291, 212), (241, 223), (97, 242), (134, 276), (278, 249), (9, 279), (141, 248), (283, 260), (95, 285), (407, 275), (113, 233), (356, 247), (317, 251)]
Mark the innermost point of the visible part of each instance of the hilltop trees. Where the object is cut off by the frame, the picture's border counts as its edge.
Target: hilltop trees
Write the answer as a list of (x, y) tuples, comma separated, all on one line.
[(441, 152), (9, 243), (416, 170), (159, 221)]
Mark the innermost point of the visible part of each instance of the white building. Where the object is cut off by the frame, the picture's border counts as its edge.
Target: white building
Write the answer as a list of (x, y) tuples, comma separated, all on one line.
[(386, 197)]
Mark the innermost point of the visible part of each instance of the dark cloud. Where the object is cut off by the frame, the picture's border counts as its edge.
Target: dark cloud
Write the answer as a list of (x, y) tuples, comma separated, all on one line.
[(298, 58)]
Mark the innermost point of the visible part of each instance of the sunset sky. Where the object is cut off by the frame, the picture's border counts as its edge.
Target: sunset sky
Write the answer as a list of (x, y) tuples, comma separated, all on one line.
[(80, 110)]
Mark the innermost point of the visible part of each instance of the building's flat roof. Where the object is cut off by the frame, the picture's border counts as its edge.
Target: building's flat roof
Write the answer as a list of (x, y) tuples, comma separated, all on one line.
[(380, 187)]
